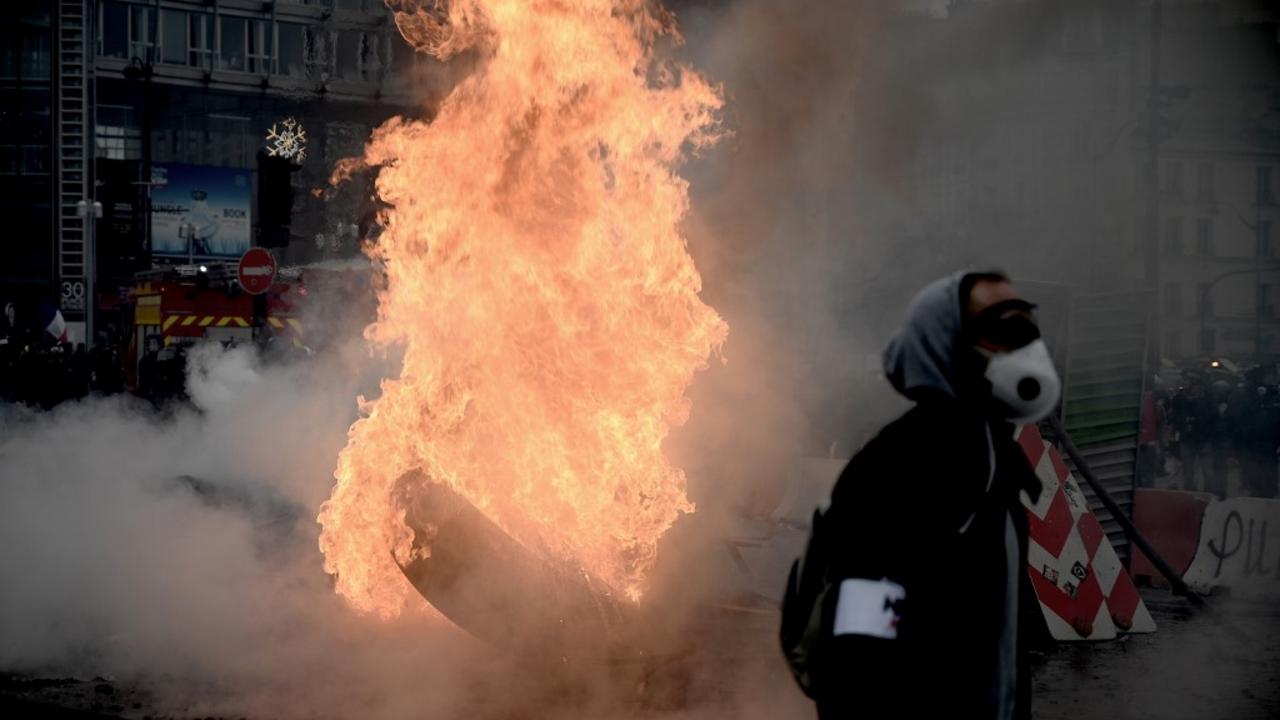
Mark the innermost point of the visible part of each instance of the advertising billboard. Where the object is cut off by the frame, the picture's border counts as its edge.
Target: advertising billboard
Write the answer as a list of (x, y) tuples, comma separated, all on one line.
[(199, 212)]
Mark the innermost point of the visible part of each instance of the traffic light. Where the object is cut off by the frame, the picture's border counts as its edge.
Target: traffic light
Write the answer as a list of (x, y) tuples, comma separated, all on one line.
[(275, 199)]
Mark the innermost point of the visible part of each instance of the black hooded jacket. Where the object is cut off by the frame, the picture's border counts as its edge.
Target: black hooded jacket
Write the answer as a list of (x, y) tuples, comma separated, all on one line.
[(925, 542), (897, 513)]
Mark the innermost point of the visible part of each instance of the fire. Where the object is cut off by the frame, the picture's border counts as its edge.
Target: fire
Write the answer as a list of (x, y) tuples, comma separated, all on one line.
[(539, 288)]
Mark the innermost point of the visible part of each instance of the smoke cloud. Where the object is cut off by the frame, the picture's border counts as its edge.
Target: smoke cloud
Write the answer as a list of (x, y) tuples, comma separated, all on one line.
[(180, 552), (787, 252)]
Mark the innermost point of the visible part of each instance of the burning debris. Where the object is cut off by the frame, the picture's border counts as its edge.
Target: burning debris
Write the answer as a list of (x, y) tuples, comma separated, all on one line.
[(546, 305), (498, 590)]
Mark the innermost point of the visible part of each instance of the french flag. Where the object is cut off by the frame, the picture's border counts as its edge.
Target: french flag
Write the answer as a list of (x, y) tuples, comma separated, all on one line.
[(51, 318)]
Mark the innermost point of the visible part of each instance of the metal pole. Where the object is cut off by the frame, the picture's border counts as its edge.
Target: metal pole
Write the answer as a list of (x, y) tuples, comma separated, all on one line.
[(1154, 348), (1202, 310), (1257, 263), (89, 210), (146, 167), (90, 267)]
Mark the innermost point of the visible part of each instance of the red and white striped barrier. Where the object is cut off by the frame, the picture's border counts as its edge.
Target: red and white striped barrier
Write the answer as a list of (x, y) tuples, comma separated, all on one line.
[(1084, 591)]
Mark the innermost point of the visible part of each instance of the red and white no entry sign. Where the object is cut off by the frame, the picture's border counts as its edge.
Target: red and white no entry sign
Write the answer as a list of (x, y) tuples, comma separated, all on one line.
[(257, 270)]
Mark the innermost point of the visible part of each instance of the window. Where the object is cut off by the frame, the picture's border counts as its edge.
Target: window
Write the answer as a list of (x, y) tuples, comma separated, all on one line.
[(1204, 237), (370, 59), (36, 161), (1266, 193), (1173, 236), (1173, 343), (349, 55), (116, 134), (1204, 181), (291, 49), (142, 40), (113, 31), (173, 37), (1203, 301), (1266, 244), (34, 55), (259, 47), (1172, 299), (1173, 178), (200, 40), (318, 51), (231, 43), (1266, 300), (30, 126), (33, 59)]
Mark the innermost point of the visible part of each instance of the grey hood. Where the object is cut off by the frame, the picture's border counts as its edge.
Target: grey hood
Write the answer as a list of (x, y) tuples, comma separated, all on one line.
[(921, 357)]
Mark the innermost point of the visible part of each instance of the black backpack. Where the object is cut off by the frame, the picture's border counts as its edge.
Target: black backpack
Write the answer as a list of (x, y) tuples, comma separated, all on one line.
[(806, 607)]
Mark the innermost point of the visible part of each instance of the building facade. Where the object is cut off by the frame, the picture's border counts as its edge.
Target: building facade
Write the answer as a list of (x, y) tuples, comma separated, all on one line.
[(157, 110), (1219, 70), (27, 171), (1033, 147)]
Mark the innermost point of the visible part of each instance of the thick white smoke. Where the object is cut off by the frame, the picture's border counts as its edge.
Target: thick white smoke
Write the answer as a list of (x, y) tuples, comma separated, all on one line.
[(179, 553)]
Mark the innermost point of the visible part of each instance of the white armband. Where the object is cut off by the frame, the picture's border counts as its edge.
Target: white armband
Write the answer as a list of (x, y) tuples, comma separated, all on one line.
[(868, 607)]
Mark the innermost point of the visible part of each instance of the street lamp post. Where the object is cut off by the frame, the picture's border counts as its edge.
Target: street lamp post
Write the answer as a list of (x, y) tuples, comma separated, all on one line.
[(1152, 255), (1258, 270), (1257, 263), (142, 71), (1203, 310), (89, 210)]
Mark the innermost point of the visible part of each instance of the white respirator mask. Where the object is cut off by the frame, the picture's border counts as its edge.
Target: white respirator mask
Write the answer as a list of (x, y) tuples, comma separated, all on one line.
[(1024, 381)]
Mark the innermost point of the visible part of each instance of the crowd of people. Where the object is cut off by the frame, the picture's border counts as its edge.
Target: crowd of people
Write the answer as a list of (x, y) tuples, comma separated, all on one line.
[(1215, 424), (40, 371)]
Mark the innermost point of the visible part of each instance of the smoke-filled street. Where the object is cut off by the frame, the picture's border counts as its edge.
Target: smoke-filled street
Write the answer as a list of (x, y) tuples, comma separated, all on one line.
[(1191, 669), (689, 359)]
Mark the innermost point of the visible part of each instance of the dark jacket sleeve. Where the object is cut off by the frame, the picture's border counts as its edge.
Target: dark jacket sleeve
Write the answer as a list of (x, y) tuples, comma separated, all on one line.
[(863, 672)]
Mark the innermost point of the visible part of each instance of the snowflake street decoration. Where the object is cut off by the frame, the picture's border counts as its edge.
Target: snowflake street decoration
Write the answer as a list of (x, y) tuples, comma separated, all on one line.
[(287, 139)]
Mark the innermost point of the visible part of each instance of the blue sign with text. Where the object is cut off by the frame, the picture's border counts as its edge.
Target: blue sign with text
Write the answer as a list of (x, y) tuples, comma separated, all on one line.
[(199, 211)]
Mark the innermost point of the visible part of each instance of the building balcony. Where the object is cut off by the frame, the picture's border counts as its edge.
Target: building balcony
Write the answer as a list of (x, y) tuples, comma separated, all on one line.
[(284, 86)]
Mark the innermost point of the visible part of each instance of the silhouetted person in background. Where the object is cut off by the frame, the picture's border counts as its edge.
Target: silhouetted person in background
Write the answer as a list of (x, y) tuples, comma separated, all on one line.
[(909, 600), (1186, 410), (149, 371), (1258, 436), (80, 372), (1215, 422), (107, 378)]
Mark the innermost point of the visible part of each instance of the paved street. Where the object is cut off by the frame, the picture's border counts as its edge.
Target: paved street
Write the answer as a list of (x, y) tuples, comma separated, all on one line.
[(1193, 668)]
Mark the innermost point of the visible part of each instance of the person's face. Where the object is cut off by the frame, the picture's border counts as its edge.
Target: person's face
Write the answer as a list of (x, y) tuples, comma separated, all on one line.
[(1007, 359), (1001, 320)]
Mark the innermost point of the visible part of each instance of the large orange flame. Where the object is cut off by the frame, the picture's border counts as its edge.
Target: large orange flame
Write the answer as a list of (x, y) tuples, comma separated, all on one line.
[(540, 288)]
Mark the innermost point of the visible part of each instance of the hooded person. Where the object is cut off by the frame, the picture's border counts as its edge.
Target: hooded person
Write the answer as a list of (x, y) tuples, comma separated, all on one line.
[(912, 599)]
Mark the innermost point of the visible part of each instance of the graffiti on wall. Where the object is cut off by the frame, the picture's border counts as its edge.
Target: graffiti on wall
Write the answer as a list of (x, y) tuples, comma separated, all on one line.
[(1239, 548)]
